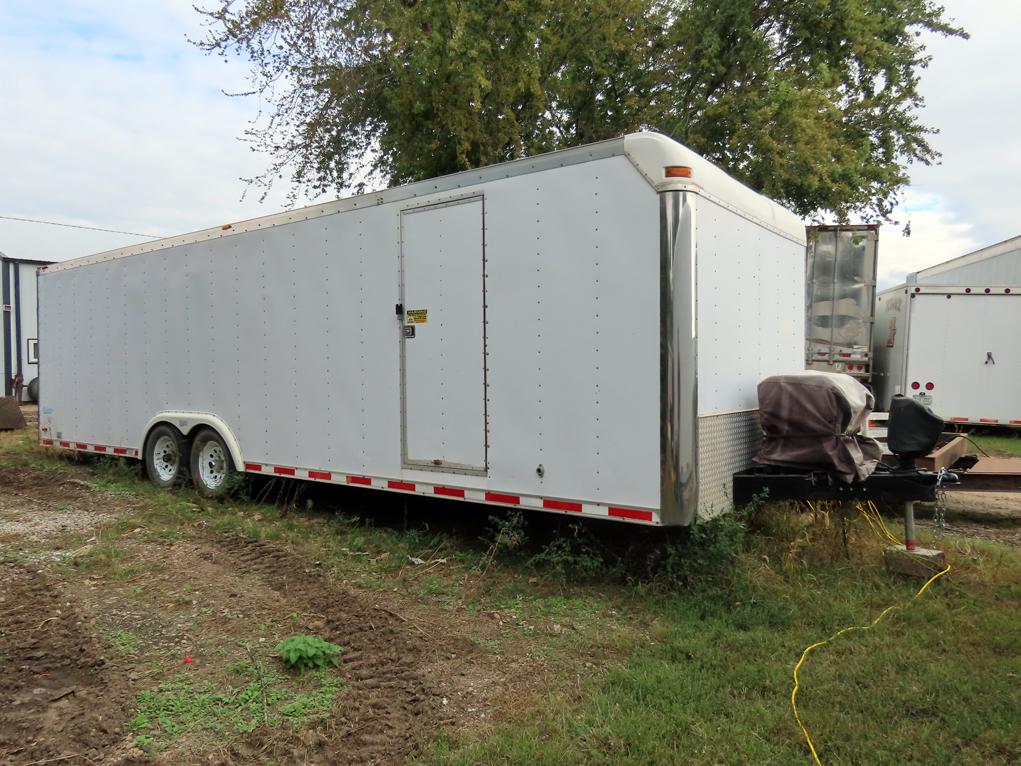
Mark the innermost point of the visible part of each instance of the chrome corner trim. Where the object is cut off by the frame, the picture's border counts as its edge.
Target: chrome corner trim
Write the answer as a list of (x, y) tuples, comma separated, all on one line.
[(678, 355)]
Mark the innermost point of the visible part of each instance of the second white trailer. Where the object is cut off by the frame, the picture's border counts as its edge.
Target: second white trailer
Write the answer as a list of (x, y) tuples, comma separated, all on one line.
[(954, 348), (581, 332)]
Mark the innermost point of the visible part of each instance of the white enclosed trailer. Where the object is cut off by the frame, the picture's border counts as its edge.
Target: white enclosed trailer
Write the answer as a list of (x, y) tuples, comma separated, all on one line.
[(840, 268), (19, 338), (580, 332), (955, 348)]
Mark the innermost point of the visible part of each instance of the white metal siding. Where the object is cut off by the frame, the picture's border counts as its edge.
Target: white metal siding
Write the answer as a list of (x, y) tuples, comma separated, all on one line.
[(980, 269), (949, 342), (889, 345), (751, 317), (288, 334), (444, 362), (751, 293), (14, 345), (572, 311)]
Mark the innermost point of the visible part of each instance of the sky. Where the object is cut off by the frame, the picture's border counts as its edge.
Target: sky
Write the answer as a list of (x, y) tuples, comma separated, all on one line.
[(110, 118)]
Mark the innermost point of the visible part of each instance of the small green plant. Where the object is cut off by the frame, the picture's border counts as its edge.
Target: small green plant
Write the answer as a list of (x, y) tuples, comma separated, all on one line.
[(571, 554), (124, 640), (308, 652), (505, 534), (258, 697)]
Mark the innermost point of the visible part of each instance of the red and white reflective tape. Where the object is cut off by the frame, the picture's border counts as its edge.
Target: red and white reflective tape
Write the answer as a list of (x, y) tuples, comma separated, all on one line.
[(101, 449), (549, 504), (515, 500), (985, 421)]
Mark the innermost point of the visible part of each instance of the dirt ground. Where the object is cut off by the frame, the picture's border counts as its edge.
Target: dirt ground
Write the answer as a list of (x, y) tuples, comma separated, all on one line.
[(86, 625), (410, 671)]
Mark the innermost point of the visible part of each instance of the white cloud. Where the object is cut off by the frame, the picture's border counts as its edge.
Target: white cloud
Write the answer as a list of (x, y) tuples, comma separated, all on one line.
[(937, 235), (971, 95), (115, 120)]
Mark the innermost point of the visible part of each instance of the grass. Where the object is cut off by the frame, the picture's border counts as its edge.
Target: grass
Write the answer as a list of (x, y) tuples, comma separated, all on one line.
[(665, 653), (937, 683), (258, 696), (124, 640), (999, 445)]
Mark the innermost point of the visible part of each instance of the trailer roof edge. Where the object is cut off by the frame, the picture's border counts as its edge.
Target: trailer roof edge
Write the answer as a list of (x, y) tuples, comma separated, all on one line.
[(975, 256), (649, 152)]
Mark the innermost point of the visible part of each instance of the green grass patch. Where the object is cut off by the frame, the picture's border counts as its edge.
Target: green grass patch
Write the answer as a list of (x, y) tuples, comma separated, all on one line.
[(662, 650), (124, 640), (1000, 445), (937, 682), (257, 696)]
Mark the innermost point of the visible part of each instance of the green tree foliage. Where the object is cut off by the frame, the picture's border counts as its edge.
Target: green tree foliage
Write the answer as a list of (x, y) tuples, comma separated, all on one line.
[(814, 102)]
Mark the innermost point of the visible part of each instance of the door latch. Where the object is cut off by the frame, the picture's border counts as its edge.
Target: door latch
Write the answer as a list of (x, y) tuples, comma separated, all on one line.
[(399, 310)]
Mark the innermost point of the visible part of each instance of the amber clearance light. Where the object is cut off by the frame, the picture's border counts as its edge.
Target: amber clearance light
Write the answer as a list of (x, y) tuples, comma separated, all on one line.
[(677, 171)]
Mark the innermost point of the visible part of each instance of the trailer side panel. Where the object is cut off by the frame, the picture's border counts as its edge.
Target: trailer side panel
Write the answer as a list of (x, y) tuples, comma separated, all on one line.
[(288, 335), (751, 287)]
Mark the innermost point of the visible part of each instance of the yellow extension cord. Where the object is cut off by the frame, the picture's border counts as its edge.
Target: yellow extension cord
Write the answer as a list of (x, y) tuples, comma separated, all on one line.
[(875, 520)]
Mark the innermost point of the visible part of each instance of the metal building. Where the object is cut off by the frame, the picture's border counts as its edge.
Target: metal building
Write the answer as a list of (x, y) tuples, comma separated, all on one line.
[(19, 342)]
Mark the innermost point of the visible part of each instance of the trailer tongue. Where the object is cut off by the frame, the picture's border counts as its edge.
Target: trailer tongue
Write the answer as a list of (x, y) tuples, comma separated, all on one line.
[(813, 450)]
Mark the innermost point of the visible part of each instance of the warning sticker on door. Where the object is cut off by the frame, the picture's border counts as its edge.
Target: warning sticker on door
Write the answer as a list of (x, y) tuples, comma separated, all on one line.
[(417, 316)]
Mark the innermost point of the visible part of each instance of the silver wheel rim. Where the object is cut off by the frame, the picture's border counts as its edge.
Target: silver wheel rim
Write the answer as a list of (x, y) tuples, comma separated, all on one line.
[(165, 457), (212, 464)]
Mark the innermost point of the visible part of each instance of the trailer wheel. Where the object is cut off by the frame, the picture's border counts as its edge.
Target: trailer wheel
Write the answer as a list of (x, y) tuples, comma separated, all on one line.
[(211, 465), (166, 456)]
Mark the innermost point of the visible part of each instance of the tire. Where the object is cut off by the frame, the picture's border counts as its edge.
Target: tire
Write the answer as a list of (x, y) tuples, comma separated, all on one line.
[(33, 390), (166, 456), (212, 469)]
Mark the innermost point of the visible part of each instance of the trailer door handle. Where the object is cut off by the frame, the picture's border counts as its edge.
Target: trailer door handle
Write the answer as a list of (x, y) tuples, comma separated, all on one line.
[(399, 309)]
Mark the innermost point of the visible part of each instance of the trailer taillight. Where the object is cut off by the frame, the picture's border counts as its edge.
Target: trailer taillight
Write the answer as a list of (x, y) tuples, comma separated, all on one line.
[(929, 386), (915, 386), (677, 171)]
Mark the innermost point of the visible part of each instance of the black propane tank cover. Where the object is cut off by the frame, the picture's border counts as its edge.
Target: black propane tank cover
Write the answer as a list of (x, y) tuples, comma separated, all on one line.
[(913, 429)]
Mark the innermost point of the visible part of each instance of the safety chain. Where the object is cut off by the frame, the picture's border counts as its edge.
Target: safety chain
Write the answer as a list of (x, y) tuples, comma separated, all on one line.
[(939, 515)]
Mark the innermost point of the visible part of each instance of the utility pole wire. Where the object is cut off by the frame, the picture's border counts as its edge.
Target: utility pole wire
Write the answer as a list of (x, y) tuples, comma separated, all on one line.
[(78, 226)]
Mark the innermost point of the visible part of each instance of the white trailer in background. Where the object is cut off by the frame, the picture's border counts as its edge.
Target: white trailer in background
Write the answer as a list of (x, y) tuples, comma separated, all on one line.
[(840, 267), (951, 338), (581, 332), (19, 339)]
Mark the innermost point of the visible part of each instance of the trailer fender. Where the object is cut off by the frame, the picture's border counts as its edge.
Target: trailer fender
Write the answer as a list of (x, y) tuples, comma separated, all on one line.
[(186, 422)]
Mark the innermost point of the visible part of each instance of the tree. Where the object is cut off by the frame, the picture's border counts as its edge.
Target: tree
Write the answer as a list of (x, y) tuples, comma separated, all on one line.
[(813, 102)]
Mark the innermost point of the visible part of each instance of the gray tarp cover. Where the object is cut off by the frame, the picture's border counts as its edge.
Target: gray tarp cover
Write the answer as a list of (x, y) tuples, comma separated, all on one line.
[(812, 420)]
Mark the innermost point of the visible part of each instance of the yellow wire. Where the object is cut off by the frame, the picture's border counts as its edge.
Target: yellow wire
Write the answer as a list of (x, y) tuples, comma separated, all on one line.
[(880, 531), (875, 521), (875, 510), (842, 631)]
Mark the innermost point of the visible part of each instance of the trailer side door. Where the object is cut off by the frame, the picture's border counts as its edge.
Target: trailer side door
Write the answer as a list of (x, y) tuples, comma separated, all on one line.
[(443, 336)]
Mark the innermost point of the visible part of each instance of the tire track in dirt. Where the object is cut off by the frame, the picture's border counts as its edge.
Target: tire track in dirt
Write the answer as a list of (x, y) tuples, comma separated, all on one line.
[(57, 699), (389, 703)]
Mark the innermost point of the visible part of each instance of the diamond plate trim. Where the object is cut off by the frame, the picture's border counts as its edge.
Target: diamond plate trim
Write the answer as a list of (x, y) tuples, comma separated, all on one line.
[(726, 444)]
